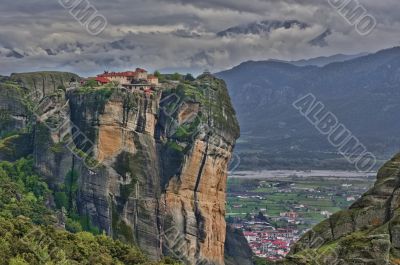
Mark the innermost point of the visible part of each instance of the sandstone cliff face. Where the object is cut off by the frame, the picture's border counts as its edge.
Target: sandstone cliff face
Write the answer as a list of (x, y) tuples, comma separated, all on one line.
[(194, 201), (161, 180), (367, 233)]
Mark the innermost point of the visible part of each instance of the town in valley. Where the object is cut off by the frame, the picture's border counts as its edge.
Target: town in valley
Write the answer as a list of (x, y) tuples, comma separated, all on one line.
[(275, 212)]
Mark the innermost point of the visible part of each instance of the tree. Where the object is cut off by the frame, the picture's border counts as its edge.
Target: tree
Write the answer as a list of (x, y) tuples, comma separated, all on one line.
[(18, 261), (261, 217), (248, 217), (73, 226), (189, 77), (160, 76), (157, 74), (230, 220), (176, 77), (91, 83)]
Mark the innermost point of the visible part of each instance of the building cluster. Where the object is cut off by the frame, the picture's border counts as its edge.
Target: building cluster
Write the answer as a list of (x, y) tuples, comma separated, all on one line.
[(130, 80), (271, 243), (291, 216), (274, 214)]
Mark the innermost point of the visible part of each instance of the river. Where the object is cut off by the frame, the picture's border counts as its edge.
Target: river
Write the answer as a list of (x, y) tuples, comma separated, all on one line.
[(280, 174)]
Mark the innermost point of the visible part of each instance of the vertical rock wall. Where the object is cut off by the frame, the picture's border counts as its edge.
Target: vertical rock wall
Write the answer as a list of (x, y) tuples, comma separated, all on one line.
[(161, 171)]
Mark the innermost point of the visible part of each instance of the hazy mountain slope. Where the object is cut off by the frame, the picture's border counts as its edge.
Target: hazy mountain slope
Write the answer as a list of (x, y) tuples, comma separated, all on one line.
[(363, 93), (325, 60)]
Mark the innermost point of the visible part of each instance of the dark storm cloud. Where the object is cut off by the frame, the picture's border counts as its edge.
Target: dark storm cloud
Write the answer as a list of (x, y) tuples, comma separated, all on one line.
[(177, 34)]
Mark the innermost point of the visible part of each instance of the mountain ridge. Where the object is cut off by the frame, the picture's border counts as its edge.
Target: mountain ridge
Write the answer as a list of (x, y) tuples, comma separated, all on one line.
[(261, 27), (361, 92), (264, 27)]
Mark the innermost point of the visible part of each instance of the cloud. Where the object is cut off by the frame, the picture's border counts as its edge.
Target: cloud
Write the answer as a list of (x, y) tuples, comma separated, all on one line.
[(179, 34)]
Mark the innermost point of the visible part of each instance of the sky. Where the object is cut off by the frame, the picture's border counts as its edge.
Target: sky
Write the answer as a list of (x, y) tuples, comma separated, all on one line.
[(177, 35)]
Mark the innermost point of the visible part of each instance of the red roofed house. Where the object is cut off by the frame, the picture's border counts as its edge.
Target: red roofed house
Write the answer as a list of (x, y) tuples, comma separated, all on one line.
[(128, 77), (131, 80), (280, 243), (250, 236), (120, 77), (102, 80)]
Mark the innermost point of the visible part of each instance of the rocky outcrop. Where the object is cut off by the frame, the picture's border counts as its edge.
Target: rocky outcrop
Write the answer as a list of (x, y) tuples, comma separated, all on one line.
[(366, 233), (15, 139), (20, 98), (237, 250), (195, 202), (42, 84), (148, 169)]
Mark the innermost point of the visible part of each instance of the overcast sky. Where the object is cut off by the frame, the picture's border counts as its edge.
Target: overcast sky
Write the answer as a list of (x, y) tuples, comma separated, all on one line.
[(179, 35)]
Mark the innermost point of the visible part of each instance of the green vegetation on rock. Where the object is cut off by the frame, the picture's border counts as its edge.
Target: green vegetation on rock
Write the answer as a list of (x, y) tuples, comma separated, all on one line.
[(23, 243), (28, 234), (22, 192), (215, 109)]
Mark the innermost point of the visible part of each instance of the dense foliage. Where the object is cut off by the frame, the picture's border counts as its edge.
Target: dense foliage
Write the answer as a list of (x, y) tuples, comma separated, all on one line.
[(23, 193), (29, 232)]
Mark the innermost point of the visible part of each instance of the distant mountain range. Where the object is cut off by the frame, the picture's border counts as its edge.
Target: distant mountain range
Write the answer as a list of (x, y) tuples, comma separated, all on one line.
[(267, 26), (364, 93), (12, 53), (322, 60), (261, 27), (325, 60)]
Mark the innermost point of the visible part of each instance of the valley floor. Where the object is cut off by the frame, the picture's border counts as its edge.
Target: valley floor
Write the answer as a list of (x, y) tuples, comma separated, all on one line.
[(275, 208)]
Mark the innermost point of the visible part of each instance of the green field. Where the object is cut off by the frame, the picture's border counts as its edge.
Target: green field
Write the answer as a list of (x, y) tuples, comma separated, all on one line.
[(316, 194)]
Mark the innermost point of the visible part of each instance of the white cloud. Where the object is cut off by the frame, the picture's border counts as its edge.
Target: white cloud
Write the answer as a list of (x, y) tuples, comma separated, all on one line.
[(177, 34)]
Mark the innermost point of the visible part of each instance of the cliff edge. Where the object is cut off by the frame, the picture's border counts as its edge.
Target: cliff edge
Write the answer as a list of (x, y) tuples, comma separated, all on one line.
[(147, 167)]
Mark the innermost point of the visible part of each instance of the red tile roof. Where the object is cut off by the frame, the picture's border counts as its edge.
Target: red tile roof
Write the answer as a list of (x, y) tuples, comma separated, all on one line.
[(280, 243), (123, 74), (102, 80), (113, 74)]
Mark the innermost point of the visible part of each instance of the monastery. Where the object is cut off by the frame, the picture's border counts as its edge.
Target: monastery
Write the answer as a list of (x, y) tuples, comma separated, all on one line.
[(131, 80)]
